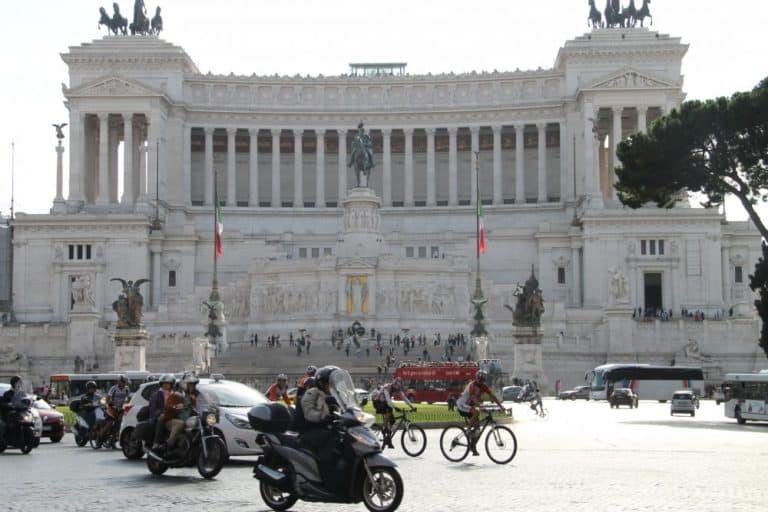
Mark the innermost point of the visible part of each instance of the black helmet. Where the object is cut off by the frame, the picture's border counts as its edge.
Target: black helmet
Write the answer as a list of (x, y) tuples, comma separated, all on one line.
[(323, 375), (90, 384), (14, 380), (122, 378), (311, 370)]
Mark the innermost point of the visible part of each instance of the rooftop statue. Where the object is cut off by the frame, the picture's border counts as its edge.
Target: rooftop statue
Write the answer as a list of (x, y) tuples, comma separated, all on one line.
[(362, 155), (157, 23), (141, 24), (129, 304), (617, 16), (117, 23)]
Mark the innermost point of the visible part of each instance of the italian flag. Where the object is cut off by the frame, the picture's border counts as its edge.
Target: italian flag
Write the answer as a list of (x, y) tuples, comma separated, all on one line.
[(219, 228), (481, 226)]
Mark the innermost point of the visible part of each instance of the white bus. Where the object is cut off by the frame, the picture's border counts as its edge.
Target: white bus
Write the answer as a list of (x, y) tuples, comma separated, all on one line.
[(746, 396), (650, 382)]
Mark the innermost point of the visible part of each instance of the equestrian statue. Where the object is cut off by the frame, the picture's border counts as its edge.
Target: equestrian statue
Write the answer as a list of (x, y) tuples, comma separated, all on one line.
[(362, 156), (117, 23), (141, 24), (617, 16)]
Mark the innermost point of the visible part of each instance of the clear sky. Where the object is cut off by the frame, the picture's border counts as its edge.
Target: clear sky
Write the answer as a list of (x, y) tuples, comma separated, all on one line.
[(728, 51)]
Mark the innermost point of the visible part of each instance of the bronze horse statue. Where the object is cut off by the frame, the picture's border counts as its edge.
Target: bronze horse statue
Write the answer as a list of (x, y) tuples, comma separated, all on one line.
[(157, 23), (117, 23), (614, 18), (362, 155), (644, 12), (140, 23), (595, 19)]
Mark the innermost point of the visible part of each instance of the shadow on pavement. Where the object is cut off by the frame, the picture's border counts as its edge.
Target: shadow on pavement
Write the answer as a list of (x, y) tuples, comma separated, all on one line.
[(708, 425)]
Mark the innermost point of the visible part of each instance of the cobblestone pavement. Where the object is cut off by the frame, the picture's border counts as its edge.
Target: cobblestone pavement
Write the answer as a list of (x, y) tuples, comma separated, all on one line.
[(585, 457)]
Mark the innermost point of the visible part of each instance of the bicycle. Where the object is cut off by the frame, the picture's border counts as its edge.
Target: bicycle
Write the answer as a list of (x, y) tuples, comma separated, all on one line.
[(413, 439), (500, 443)]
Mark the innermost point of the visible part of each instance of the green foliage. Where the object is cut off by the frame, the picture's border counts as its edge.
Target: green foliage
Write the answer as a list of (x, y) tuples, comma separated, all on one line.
[(758, 282), (715, 147), (70, 418)]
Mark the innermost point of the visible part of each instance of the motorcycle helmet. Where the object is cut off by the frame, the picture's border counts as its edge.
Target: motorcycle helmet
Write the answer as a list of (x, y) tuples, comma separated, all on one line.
[(189, 378), (311, 370), (282, 377), (323, 376), (481, 375), (167, 378), (14, 380), (90, 385), (123, 379)]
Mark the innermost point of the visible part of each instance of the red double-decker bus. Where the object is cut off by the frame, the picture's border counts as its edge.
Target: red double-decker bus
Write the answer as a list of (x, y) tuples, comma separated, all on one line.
[(434, 382)]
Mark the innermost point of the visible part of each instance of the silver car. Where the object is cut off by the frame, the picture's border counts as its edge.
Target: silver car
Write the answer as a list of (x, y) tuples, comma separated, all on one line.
[(683, 402), (233, 399)]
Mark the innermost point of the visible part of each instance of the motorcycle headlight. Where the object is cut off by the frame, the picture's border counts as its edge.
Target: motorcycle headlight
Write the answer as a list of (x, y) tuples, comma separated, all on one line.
[(237, 421), (364, 418), (103, 401), (28, 418), (210, 420)]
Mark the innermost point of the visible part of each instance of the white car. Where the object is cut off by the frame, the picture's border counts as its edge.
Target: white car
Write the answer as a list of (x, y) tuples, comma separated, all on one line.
[(683, 401), (233, 399)]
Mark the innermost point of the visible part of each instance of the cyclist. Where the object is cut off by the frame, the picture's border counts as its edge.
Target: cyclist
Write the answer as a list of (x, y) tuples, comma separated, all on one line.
[(536, 402), (469, 401), (382, 402), (279, 389)]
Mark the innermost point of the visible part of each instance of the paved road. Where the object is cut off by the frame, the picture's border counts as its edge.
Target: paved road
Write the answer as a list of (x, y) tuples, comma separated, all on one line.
[(586, 457)]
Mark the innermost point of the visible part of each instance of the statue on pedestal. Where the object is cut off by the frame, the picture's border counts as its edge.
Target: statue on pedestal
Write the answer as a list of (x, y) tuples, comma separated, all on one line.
[(129, 304), (530, 304), (82, 294), (362, 155), (618, 287)]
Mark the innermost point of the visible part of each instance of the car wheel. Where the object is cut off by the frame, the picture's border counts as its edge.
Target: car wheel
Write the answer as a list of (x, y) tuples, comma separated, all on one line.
[(573, 397), (57, 438), (693, 413)]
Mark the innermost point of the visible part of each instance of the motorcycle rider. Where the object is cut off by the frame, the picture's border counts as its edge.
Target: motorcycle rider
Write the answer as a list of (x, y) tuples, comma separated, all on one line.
[(119, 393), (319, 435), (384, 405), (306, 382), (469, 401), (93, 414), (279, 389), (157, 406), (13, 395)]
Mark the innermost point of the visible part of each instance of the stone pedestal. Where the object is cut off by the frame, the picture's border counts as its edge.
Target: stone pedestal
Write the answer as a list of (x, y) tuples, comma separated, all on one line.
[(619, 320), (81, 335), (130, 350), (361, 236), (528, 355)]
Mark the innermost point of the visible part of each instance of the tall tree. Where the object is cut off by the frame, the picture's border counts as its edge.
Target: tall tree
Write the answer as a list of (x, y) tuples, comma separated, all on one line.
[(716, 147)]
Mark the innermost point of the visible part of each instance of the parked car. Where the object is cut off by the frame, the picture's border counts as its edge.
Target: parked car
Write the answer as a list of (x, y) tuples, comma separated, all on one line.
[(53, 420), (511, 393), (683, 401), (623, 396), (234, 401), (577, 392)]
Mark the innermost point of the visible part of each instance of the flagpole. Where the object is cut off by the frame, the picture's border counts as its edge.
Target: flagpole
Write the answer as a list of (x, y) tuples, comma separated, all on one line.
[(478, 300), (215, 285)]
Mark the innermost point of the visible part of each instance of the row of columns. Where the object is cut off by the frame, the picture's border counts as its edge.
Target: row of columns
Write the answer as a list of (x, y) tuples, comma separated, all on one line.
[(386, 165), (135, 134)]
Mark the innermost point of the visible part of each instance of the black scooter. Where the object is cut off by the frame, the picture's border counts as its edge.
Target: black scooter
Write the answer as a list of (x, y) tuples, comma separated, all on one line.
[(20, 427), (288, 472)]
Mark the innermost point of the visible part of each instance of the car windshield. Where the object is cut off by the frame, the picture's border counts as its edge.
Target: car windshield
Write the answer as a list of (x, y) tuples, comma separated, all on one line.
[(343, 389), (681, 396), (231, 394)]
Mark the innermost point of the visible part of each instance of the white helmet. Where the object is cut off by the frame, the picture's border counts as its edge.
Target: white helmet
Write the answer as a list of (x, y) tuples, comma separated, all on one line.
[(167, 378), (282, 376), (189, 378)]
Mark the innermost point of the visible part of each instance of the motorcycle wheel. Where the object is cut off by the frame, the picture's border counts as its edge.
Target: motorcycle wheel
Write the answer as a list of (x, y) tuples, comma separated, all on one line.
[(132, 450), (29, 442), (275, 498), (96, 442), (209, 467), (155, 466), (385, 492)]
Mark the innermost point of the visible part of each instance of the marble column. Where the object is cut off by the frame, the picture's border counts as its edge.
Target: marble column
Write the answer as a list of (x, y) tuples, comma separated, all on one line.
[(475, 147), (208, 166), (542, 161), (431, 197), (231, 168), (142, 173), (320, 168), (642, 118), (59, 173), (498, 197), (342, 164), (186, 148), (76, 156), (408, 188), (566, 180), (156, 250), (615, 139), (128, 150), (576, 275), (591, 176), (253, 168), (276, 200), (453, 167), (519, 164), (114, 145), (386, 174), (103, 196), (153, 156), (298, 168)]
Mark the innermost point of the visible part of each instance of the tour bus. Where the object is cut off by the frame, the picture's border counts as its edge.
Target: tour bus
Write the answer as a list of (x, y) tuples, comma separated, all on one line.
[(746, 396), (435, 381), (650, 382), (73, 384)]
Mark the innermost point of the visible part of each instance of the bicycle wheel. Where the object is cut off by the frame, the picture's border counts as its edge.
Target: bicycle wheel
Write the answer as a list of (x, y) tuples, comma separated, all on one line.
[(454, 443), (413, 440), (501, 445)]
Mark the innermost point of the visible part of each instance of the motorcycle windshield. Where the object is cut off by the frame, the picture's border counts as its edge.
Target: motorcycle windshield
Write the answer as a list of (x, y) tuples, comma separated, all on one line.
[(343, 389)]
